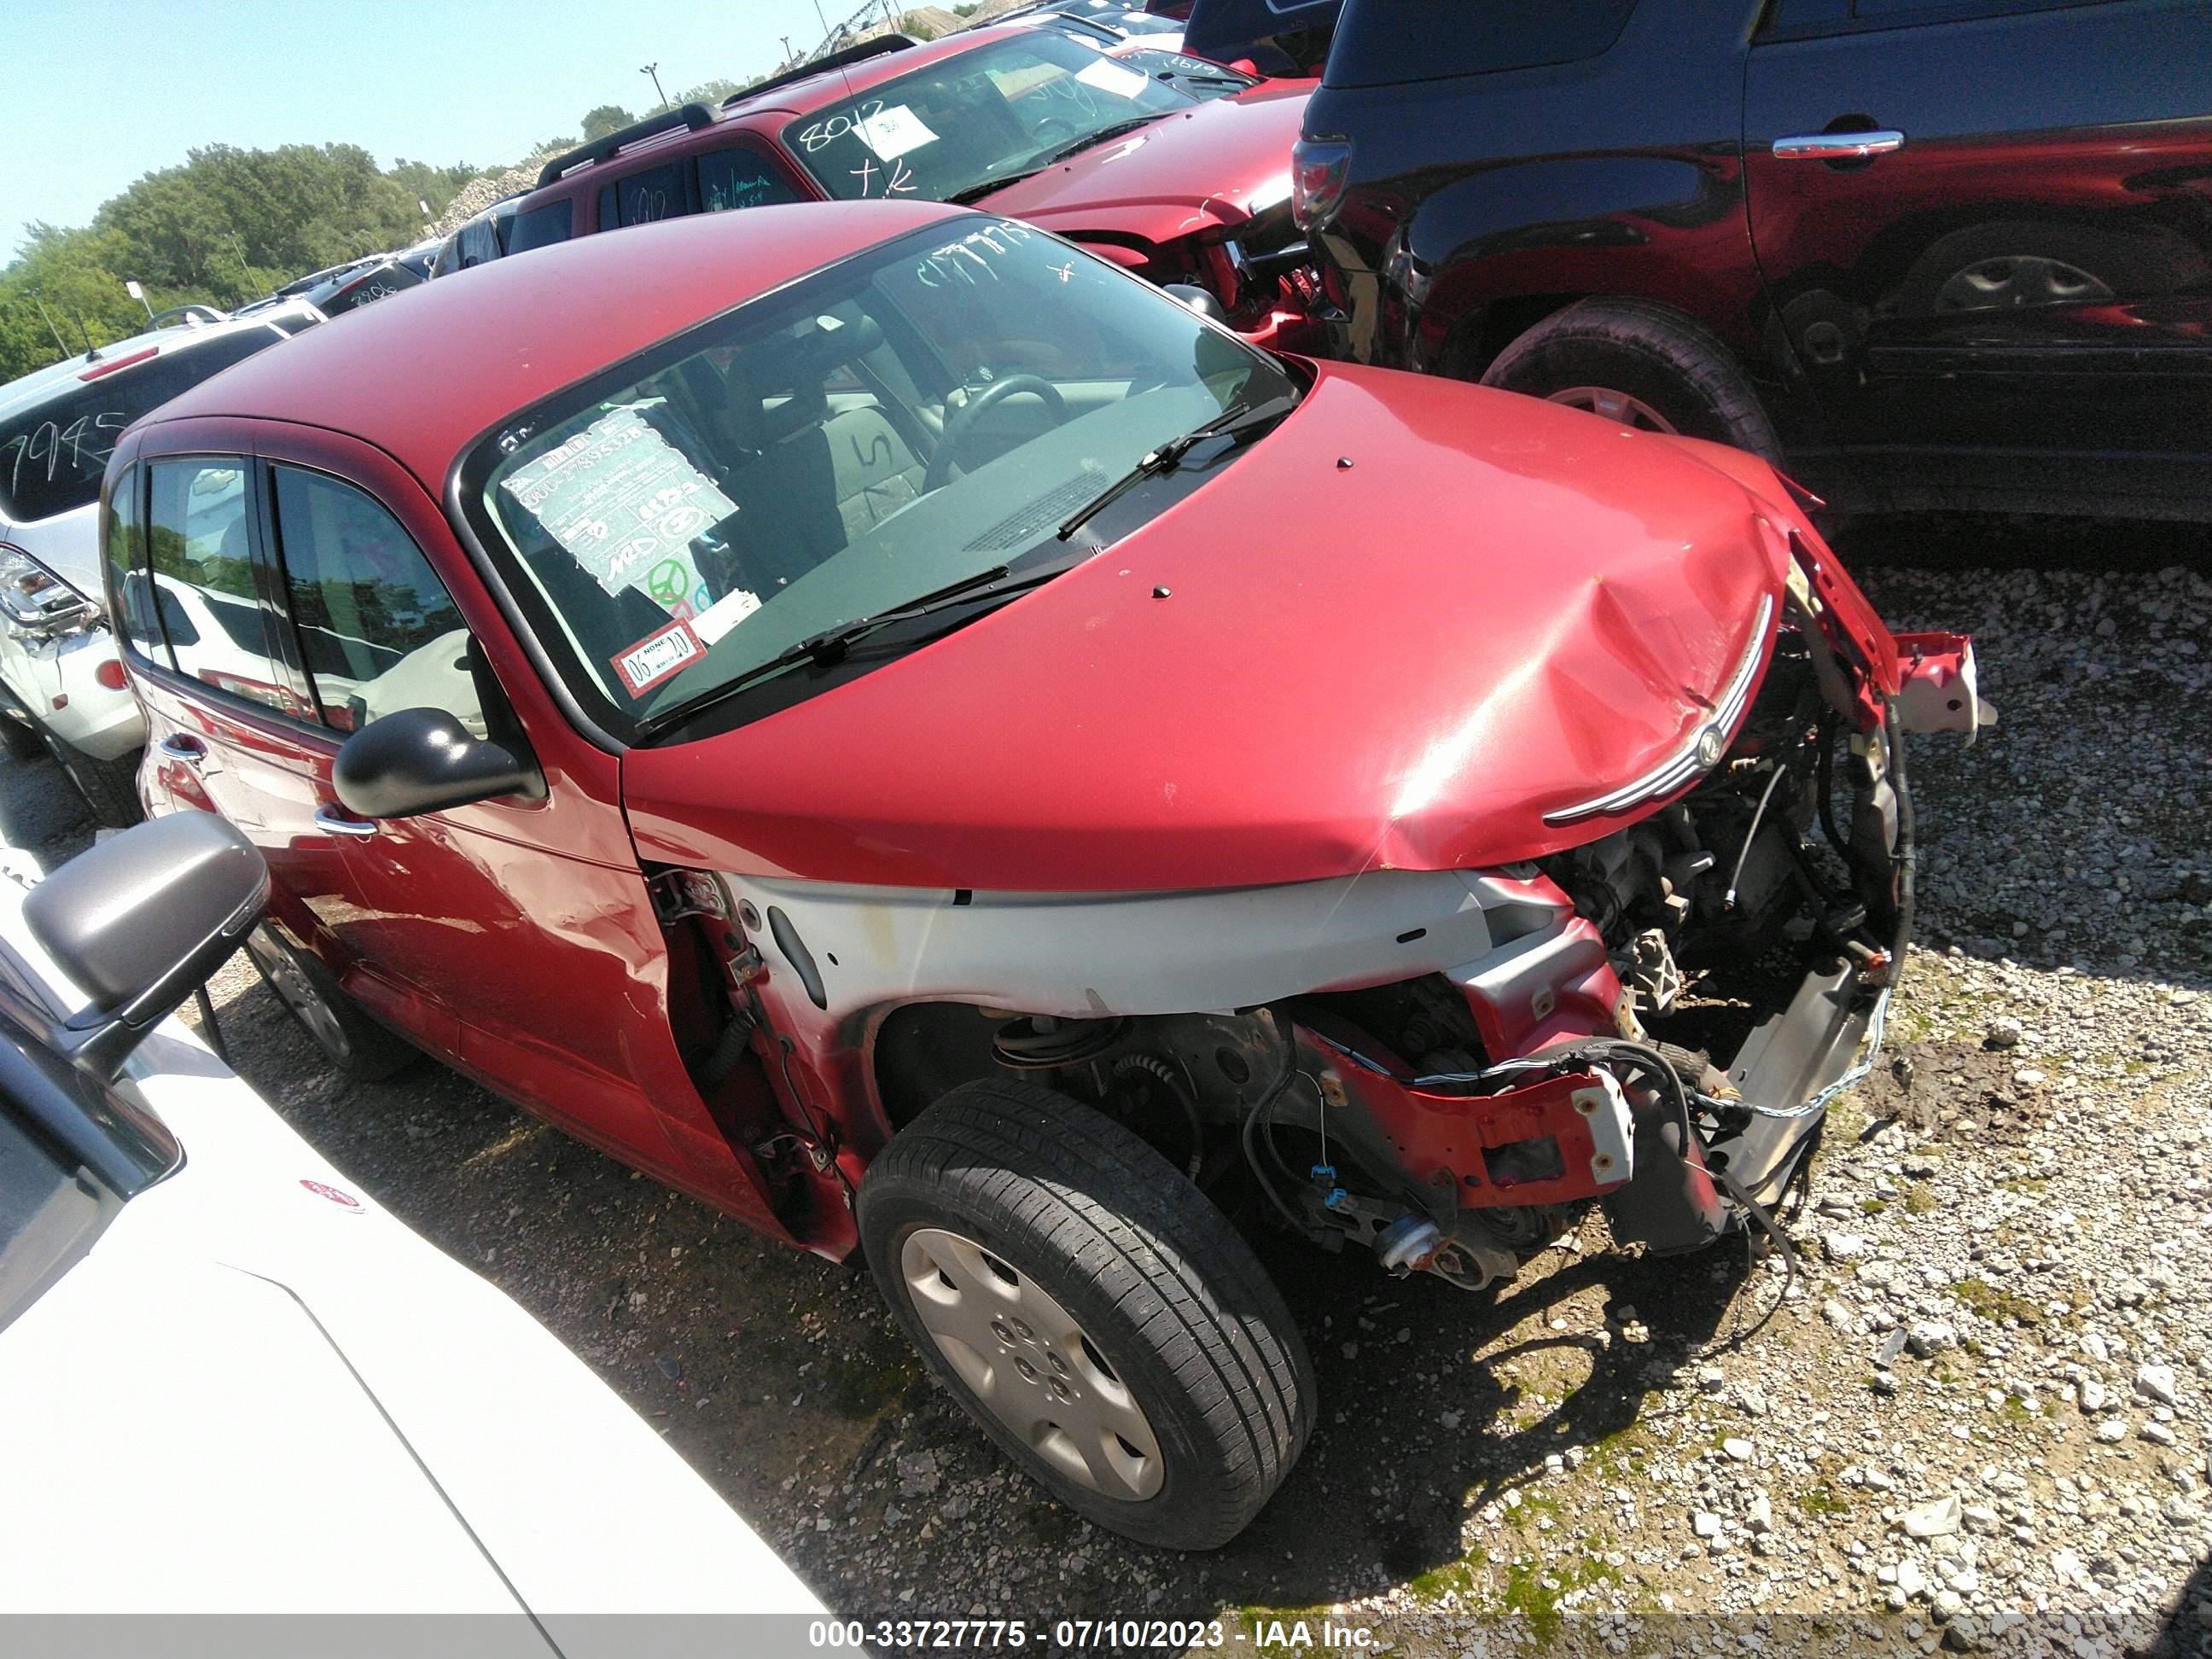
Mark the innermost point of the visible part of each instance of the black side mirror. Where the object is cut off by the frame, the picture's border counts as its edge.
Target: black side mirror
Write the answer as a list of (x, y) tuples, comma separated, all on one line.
[(141, 921), (424, 760), (1195, 297)]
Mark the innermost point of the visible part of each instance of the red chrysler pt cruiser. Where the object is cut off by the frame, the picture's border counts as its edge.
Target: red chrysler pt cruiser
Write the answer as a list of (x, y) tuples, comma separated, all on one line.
[(892, 725)]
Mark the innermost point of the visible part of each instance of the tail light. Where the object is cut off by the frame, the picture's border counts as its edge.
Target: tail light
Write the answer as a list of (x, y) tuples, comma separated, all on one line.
[(1319, 168), (35, 599), (110, 674)]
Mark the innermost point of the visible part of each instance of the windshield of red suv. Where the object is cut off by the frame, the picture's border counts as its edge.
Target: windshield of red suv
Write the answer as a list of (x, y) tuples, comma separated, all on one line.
[(1005, 108), (907, 420)]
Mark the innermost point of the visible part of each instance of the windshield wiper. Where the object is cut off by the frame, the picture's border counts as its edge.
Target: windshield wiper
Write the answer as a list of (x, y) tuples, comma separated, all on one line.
[(1233, 422), (975, 191), (1224, 79), (829, 645), (1115, 130)]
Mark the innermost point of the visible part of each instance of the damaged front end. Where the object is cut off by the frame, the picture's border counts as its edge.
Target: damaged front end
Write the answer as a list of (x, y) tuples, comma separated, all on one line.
[(1669, 1007)]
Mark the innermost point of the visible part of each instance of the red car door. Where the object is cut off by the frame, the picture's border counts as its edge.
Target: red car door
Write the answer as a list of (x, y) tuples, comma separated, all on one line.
[(1984, 230), (217, 697), (515, 938)]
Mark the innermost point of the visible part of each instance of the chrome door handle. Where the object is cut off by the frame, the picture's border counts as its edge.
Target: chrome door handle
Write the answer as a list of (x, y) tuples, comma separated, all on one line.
[(1838, 146), (191, 750), (331, 819)]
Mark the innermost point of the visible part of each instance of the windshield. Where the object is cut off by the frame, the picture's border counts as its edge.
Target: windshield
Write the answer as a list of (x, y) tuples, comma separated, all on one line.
[(927, 411), (1006, 108), (53, 452)]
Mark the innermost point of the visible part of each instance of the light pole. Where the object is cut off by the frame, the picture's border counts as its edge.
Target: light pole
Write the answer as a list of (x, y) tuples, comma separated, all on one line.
[(654, 70), (139, 294)]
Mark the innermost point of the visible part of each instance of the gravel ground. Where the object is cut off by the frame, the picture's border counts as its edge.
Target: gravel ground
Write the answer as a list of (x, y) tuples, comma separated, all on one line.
[(1980, 1415)]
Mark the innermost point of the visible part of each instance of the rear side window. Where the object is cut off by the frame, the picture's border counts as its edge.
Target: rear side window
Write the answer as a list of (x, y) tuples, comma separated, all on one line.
[(644, 198), (378, 631), (51, 453), (1385, 43), (541, 226), (127, 580), (200, 542), (740, 178)]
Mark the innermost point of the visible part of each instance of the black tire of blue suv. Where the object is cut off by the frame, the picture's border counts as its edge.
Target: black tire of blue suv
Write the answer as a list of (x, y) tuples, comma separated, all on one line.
[(1674, 375)]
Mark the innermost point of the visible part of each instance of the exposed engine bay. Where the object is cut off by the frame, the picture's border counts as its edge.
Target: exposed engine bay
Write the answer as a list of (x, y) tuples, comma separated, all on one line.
[(1663, 1015)]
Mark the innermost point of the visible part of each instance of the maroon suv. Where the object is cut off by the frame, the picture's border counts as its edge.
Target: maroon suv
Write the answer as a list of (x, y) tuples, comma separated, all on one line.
[(1172, 166)]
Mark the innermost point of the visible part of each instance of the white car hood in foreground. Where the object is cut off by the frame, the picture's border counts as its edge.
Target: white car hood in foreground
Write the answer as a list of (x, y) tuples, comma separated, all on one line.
[(260, 1393)]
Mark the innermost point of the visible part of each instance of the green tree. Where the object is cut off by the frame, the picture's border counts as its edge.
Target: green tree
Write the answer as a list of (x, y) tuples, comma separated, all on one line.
[(226, 227), (435, 185), (711, 93), (606, 119)]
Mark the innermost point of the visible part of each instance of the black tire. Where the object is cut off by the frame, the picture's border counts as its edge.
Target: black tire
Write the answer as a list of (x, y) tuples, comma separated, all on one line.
[(1169, 1304), (1662, 359), (348, 1038), (19, 736), (110, 787)]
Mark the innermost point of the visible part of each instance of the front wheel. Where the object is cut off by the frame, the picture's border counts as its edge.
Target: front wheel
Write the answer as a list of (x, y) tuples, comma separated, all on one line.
[(1092, 1309), (1643, 365), (110, 787), (348, 1038)]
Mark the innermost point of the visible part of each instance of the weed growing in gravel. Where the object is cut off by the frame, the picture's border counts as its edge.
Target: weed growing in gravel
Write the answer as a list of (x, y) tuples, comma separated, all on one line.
[(1452, 1578), (864, 1384), (1823, 1500), (1534, 1590), (1997, 1305), (1920, 1199)]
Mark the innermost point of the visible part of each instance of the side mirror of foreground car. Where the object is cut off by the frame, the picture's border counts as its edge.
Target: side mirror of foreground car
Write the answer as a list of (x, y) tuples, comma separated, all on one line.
[(424, 760), (1195, 297), (139, 923)]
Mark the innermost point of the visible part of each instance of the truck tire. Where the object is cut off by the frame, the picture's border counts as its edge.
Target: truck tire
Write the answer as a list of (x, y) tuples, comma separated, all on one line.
[(110, 787), (1641, 363), (1092, 1308), (348, 1038), (19, 736)]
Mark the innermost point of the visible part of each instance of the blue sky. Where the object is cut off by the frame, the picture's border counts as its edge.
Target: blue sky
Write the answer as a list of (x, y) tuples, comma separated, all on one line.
[(100, 92)]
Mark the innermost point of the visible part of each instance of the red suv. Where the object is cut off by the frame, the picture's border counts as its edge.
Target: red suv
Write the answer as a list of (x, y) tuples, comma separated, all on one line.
[(1171, 166), (896, 727)]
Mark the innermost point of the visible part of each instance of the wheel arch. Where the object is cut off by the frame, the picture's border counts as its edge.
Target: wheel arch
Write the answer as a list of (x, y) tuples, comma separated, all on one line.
[(1493, 253)]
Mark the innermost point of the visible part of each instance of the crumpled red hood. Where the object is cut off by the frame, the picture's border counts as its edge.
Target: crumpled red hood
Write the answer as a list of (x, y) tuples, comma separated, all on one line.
[(1214, 164), (1499, 608)]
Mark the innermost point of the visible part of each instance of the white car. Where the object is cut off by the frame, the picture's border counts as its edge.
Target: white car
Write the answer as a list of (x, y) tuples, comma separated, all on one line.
[(231, 1382), (62, 687)]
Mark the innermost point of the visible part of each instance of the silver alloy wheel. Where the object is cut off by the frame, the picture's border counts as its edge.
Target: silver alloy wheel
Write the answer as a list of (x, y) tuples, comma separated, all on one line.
[(298, 992), (1613, 406), (1029, 1365), (2019, 279)]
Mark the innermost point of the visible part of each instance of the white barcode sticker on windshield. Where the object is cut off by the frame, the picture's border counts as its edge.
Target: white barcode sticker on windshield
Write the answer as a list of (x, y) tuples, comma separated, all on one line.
[(726, 613), (892, 132), (1111, 77)]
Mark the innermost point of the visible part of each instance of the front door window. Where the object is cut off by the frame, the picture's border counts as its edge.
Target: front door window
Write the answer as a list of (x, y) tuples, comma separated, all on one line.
[(378, 631)]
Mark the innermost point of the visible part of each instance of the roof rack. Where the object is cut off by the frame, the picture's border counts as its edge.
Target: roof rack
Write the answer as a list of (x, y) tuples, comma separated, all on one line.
[(878, 47), (693, 116)]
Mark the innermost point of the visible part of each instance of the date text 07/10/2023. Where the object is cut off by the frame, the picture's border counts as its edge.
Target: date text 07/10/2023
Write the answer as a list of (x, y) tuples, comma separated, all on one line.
[(1079, 1635)]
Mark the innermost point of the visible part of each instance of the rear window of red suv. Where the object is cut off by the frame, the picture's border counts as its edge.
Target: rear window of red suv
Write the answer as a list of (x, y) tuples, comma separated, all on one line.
[(1388, 43)]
